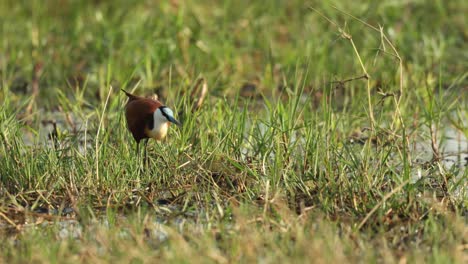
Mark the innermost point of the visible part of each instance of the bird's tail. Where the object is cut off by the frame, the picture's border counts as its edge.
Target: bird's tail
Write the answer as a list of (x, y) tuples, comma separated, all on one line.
[(130, 96)]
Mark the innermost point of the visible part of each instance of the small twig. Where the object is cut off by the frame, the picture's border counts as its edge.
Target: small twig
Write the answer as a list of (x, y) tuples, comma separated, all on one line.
[(267, 197), (348, 36), (387, 53), (183, 165), (435, 148), (201, 98), (195, 87), (99, 131), (397, 116), (68, 119), (351, 79), (71, 196), (9, 221), (37, 71), (385, 198), (396, 54), (385, 95)]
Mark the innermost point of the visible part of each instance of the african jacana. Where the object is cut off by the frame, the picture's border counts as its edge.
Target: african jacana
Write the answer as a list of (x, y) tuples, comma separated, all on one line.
[(147, 118)]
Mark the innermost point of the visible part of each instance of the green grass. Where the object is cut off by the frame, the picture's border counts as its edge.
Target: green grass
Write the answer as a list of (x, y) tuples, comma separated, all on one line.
[(308, 166)]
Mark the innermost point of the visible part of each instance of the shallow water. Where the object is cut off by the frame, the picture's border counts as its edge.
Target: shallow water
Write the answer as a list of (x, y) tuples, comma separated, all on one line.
[(452, 143)]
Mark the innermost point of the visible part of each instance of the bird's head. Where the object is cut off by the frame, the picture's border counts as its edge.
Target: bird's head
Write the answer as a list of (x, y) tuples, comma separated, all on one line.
[(165, 114)]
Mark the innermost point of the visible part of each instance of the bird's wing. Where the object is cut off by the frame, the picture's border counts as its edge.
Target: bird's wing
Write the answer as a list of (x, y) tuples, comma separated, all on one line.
[(139, 115)]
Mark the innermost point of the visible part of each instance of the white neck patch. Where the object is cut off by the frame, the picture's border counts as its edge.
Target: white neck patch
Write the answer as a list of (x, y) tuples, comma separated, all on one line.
[(160, 125)]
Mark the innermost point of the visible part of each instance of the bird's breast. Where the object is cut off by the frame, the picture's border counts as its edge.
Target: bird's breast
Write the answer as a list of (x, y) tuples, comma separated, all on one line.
[(159, 130)]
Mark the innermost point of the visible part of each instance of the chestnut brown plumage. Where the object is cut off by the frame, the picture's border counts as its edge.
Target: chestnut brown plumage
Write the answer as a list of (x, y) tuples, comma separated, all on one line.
[(139, 113), (147, 118)]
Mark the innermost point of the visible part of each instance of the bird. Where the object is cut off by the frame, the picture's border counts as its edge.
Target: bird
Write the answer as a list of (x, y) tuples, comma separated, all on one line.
[(147, 118)]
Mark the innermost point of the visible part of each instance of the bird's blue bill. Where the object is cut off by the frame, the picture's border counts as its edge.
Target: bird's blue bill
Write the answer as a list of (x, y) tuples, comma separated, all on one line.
[(167, 112), (173, 120)]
